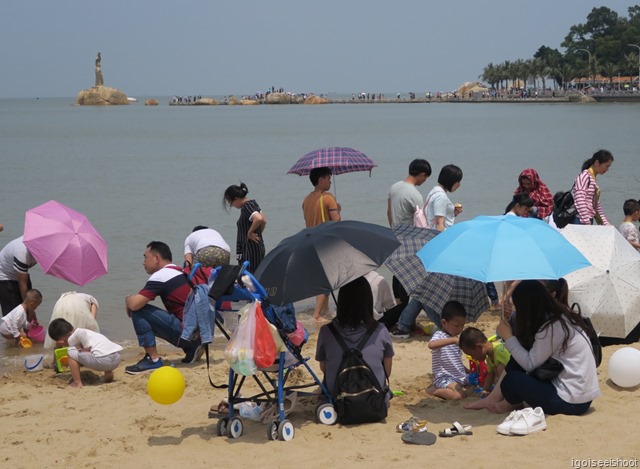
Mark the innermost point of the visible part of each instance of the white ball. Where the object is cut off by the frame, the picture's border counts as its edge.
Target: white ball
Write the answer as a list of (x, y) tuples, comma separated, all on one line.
[(624, 367)]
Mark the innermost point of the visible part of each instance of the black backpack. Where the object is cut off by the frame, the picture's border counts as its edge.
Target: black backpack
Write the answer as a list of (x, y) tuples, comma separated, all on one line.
[(564, 209), (358, 396)]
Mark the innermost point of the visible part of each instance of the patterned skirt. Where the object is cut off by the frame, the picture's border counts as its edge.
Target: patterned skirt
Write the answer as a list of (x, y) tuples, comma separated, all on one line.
[(212, 256)]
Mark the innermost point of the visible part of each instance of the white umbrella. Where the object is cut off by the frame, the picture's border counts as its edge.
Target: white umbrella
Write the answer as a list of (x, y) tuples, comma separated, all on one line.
[(609, 290)]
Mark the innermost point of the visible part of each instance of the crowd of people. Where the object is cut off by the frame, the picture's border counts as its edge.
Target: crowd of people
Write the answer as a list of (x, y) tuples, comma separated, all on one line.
[(538, 324)]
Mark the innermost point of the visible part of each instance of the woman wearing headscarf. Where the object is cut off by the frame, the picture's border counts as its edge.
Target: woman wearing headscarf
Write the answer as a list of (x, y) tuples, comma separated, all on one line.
[(529, 182)]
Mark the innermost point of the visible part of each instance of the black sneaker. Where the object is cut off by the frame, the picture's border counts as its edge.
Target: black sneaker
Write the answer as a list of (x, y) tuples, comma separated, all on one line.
[(146, 364), (194, 354), (396, 333)]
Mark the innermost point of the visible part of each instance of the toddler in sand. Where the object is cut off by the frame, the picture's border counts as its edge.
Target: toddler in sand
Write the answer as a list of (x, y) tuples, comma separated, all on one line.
[(474, 343), (449, 374), (87, 348), (14, 326)]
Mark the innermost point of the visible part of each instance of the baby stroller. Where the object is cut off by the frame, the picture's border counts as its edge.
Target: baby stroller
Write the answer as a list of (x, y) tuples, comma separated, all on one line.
[(272, 381)]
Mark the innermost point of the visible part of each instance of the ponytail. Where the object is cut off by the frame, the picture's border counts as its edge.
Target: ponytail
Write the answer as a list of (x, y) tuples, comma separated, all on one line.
[(601, 156), (234, 192)]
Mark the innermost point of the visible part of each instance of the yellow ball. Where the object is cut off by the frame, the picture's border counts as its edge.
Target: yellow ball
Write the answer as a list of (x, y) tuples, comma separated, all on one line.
[(166, 385)]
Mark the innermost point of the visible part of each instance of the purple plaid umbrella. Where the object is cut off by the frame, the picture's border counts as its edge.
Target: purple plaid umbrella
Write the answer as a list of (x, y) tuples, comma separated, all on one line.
[(339, 159)]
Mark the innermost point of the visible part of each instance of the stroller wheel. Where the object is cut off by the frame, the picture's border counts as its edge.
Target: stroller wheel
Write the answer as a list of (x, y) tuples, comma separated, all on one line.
[(326, 414), (221, 427), (235, 427), (286, 432), (272, 430)]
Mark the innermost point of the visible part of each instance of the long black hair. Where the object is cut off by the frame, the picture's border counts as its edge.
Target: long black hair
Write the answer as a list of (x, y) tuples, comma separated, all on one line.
[(601, 156), (355, 304), (537, 310)]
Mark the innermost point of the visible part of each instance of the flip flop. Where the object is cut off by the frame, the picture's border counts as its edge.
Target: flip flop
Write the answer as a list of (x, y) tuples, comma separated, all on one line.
[(419, 438), (272, 413), (455, 430)]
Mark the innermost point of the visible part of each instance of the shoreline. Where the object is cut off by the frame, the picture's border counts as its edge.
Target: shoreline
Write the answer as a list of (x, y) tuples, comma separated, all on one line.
[(126, 427)]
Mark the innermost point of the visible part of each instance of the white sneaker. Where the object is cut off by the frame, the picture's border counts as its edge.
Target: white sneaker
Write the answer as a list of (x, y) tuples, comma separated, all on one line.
[(505, 427), (531, 422)]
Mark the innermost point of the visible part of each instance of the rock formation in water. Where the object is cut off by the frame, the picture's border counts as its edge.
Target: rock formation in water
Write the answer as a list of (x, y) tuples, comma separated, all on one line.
[(316, 100), (100, 95)]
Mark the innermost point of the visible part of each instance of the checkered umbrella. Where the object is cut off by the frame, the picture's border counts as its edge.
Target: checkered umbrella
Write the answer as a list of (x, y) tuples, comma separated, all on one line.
[(339, 159), (430, 288), (403, 262)]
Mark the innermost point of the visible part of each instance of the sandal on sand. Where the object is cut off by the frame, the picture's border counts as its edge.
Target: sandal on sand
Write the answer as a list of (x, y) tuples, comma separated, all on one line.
[(414, 424), (272, 413), (456, 429), (419, 438), (221, 409)]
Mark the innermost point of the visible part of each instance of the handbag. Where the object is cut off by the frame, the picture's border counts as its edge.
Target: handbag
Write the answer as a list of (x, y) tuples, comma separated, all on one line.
[(594, 340), (548, 370)]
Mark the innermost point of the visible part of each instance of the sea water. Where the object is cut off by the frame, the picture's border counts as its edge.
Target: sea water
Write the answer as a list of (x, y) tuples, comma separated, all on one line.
[(153, 173)]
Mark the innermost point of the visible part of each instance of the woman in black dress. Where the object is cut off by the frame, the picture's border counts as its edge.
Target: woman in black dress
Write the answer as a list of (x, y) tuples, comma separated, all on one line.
[(251, 224)]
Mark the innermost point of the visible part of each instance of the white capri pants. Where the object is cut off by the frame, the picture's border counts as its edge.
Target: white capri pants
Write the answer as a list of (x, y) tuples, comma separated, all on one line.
[(107, 363)]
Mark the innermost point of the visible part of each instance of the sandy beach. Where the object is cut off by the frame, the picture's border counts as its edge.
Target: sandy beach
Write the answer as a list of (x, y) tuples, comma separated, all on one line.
[(48, 425)]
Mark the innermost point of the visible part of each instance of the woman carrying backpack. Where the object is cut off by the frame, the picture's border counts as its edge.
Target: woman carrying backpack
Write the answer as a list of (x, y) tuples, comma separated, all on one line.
[(353, 321), (586, 193)]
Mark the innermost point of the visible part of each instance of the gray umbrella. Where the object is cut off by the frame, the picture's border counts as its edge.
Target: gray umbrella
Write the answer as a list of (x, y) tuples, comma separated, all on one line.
[(323, 258), (432, 289)]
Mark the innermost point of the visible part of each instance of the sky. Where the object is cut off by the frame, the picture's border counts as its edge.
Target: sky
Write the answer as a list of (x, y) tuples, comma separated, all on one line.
[(222, 47)]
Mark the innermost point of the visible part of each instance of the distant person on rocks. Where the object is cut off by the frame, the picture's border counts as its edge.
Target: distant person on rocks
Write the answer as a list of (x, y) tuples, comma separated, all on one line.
[(586, 193), (206, 246), (15, 262), (529, 182), (251, 224), (170, 283)]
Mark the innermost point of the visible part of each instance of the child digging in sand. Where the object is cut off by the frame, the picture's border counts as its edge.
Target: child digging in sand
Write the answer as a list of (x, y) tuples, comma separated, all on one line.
[(449, 374), (87, 348), (14, 326), (474, 343)]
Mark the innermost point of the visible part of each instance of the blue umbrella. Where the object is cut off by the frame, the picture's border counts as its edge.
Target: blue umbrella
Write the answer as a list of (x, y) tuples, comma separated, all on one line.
[(502, 248)]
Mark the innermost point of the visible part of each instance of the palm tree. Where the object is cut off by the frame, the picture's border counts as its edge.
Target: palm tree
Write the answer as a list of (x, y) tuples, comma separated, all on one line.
[(609, 70)]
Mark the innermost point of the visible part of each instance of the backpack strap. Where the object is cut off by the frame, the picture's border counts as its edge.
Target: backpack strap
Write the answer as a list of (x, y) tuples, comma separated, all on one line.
[(361, 344), (365, 338)]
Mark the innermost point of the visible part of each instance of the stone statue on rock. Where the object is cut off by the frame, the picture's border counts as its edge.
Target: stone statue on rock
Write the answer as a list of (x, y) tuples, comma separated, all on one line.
[(99, 79), (101, 95)]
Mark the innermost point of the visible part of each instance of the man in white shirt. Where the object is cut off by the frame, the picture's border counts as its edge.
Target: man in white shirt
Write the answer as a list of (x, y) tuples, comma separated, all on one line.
[(15, 262)]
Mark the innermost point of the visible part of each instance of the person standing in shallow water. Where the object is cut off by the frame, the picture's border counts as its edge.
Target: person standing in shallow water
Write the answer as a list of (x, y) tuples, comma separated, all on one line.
[(251, 224)]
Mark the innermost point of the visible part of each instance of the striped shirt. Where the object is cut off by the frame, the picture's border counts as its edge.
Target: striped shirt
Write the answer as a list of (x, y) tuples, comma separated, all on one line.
[(15, 259), (170, 283), (246, 249), (447, 361), (586, 197)]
